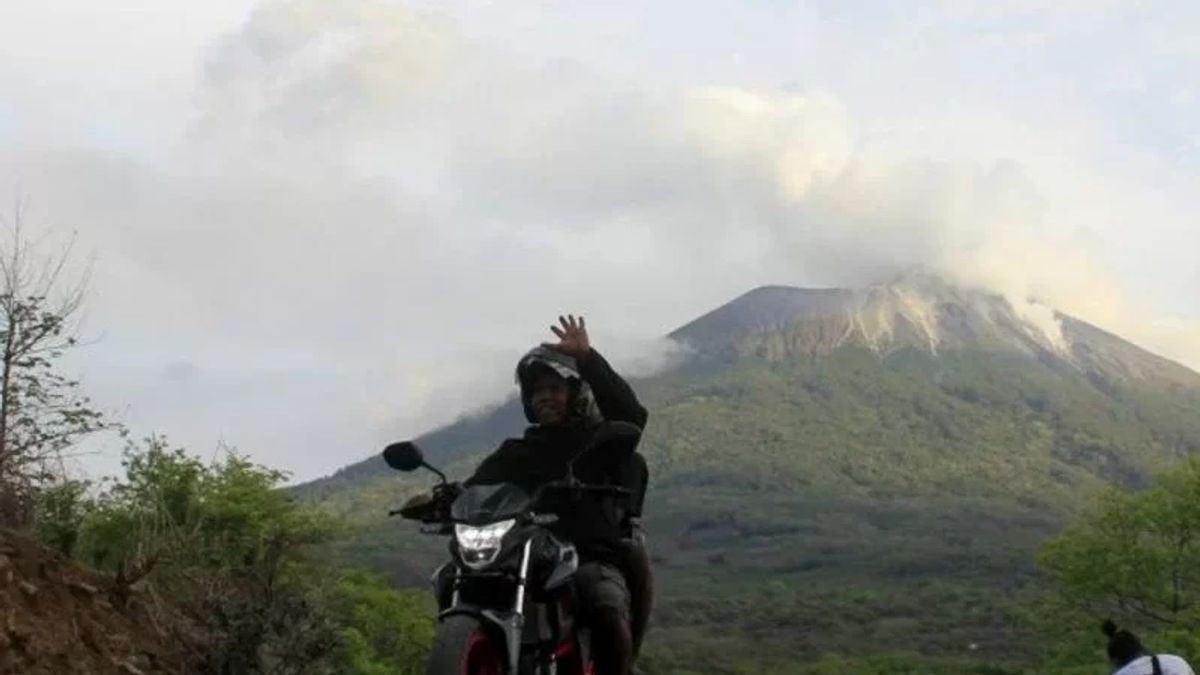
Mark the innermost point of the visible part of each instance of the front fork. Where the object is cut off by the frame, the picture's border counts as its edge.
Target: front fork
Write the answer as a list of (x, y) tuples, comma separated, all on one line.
[(510, 623)]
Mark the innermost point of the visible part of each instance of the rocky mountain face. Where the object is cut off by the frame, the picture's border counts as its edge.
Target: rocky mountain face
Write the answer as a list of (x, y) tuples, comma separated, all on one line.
[(922, 313)]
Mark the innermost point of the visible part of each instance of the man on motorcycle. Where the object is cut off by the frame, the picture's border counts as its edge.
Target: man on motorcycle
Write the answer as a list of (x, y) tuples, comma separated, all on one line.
[(567, 389)]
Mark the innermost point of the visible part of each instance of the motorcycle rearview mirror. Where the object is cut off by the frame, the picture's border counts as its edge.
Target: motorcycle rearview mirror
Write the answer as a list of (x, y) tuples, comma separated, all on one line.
[(404, 456)]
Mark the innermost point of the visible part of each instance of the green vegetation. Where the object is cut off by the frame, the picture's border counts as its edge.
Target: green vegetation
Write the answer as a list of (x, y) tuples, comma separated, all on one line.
[(887, 508), (383, 631), (873, 516), (237, 567), (809, 513), (1133, 557), (1137, 554)]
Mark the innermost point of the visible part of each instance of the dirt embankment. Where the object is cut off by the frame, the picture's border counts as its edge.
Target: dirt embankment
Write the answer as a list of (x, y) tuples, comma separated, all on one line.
[(57, 618)]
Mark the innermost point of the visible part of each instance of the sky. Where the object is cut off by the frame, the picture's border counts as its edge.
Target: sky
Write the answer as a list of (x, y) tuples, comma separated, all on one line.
[(316, 227)]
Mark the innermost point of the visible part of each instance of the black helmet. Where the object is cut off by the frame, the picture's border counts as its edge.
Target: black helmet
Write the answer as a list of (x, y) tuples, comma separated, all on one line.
[(582, 405)]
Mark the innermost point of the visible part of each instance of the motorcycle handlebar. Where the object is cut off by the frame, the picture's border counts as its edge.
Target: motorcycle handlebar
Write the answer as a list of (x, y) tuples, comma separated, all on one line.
[(430, 513)]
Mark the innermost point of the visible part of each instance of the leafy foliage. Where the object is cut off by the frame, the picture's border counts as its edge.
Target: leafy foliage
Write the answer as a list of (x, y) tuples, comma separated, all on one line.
[(60, 507), (383, 631), (232, 564), (1134, 557), (224, 546)]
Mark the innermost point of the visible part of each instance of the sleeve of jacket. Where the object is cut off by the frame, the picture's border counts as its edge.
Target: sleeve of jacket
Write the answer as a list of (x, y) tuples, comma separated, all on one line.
[(498, 467), (614, 396)]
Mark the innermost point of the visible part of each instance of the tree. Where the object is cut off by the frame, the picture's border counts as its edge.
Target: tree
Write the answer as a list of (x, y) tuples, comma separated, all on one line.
[(42, 412), (1136, 554), (60, 509), (222, 546), (383, 630), (1134, 557), (238, 565)]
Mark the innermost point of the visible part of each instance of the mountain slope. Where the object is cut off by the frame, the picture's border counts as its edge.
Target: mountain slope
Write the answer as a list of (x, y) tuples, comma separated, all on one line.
[(843, 460)]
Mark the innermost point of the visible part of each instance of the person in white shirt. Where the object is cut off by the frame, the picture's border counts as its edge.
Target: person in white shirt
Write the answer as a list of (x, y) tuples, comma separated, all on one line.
[(1129, 657)]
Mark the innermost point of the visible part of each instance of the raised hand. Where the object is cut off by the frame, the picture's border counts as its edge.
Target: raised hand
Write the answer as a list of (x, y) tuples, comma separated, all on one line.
[(572, 337)]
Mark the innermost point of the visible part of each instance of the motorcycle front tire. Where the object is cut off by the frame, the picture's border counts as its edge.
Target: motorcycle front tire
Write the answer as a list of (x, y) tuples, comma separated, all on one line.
[(464, 646)]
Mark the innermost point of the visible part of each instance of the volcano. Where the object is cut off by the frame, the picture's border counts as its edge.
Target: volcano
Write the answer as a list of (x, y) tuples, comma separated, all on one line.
[(833, 468)]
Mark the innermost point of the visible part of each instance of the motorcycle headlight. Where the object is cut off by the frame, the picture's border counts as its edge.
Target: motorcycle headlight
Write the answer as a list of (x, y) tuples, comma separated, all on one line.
[(479, 546)]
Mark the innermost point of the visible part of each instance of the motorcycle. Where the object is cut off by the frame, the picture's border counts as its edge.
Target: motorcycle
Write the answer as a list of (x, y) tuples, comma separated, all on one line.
[(512, 606)]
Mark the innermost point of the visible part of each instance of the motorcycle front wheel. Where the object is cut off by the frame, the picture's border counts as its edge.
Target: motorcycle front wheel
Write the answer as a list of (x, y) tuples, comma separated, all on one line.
[(462, 646)]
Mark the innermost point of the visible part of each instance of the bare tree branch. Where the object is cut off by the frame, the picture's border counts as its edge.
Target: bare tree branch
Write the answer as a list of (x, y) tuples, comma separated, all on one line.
[(42, 413)]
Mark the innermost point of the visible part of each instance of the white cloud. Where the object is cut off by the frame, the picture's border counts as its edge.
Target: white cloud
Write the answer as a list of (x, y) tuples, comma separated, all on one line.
[(371, 213)]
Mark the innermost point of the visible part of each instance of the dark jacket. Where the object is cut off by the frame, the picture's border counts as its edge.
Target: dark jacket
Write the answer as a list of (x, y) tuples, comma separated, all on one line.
[(541, 456)]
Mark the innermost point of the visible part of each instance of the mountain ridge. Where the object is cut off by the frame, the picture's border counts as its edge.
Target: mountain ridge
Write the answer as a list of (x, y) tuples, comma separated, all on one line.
[(926, 313)]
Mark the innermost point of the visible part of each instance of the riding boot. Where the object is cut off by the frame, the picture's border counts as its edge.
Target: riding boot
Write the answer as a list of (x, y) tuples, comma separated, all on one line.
[(612, 643)]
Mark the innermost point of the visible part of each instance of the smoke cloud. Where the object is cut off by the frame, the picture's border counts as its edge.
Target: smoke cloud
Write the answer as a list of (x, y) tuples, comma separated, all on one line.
[(370, 214)]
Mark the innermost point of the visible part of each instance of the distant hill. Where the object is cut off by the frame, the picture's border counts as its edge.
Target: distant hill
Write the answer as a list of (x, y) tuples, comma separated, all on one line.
[(835, 468)]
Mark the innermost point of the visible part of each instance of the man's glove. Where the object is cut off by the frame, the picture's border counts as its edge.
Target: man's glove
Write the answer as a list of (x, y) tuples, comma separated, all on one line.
[(418, 507), (433, 506), (447, 492), (417, 501)]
